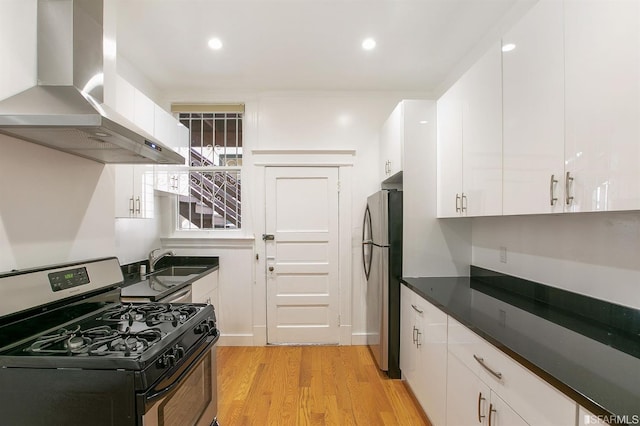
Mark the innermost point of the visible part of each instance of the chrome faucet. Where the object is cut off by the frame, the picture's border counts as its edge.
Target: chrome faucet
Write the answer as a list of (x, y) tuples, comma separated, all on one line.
[(153, 259)]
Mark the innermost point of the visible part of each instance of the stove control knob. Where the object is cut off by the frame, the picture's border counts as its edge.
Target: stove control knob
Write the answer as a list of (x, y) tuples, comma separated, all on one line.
[(179, 351), (167, 360), (203, 328), (171, 360)]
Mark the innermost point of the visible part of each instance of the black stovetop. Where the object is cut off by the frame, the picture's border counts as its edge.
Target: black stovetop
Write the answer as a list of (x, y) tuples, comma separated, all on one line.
[(104, 335)]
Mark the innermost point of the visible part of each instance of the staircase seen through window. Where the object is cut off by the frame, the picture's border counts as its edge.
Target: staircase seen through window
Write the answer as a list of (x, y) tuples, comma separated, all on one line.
[(213, 200)]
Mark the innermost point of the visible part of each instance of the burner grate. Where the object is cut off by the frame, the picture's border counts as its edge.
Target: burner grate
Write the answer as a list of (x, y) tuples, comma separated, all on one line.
[(101, 340)]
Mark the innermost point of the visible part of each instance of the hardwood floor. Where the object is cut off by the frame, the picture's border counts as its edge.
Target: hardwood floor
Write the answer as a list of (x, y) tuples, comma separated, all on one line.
[(309, 385)]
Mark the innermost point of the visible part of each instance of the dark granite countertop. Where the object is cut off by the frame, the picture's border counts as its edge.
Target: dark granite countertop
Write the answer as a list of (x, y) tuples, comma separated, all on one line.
[(153, 288), (586, 348)]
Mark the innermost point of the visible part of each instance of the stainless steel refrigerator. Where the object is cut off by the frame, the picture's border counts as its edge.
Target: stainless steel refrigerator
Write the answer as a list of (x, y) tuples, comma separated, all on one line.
[(382, 263)]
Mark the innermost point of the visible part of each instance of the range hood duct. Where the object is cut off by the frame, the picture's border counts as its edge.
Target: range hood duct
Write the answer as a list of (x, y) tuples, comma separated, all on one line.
[(66, 110)]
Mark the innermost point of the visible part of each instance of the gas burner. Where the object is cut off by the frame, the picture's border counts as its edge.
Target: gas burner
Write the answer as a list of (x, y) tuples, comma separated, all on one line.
[(126, 343), (71, 342), (101, 340), (151, 314)]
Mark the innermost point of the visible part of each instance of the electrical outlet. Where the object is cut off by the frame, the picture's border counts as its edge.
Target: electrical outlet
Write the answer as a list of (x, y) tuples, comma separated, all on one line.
[(503, 254)]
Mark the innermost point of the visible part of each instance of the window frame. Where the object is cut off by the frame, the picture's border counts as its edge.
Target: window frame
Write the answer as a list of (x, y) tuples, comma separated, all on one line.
[(177, 109)]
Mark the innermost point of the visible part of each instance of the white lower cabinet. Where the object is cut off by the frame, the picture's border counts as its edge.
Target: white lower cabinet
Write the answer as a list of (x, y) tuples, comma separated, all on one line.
[(460, 379), (423, 353), (533, 399), (205, 290), (471, 402)]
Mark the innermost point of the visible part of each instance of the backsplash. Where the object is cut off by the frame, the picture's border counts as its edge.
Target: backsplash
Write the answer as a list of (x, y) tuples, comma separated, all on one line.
[(614, 325), (594, 254)]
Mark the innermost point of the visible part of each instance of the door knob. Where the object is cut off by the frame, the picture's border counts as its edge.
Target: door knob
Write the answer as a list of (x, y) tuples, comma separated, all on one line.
[(270, 268)]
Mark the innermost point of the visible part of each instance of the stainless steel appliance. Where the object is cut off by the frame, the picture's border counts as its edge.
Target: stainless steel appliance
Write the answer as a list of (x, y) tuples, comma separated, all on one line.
[(66, 110), (382, 262), (72, 354)]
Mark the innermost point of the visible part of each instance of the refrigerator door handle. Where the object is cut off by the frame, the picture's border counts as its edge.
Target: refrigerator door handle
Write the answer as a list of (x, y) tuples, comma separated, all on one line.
[(366, 241)]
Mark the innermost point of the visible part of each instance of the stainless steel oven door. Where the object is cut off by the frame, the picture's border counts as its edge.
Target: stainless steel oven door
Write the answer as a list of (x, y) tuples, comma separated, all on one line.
[(188, 396)]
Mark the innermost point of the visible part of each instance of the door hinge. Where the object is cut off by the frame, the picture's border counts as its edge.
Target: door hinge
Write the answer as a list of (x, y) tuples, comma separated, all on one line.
[(338, 186)]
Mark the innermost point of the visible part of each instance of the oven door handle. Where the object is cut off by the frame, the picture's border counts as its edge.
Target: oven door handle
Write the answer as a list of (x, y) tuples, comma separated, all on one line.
[(211, 340)]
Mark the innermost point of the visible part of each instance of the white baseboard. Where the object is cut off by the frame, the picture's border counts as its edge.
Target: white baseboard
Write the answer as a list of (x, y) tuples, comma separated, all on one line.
[(359, 339), (236, 340)]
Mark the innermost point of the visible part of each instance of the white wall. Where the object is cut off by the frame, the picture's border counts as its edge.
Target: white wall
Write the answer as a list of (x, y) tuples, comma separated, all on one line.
[(296, 121), (54, 207), (596, 254)]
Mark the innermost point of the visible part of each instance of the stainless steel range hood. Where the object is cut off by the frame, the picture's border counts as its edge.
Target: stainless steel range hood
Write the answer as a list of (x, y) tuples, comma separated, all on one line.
[(65, 111)]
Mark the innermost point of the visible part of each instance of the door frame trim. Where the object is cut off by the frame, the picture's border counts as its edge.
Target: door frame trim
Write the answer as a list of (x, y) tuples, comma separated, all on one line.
[(344, 161)]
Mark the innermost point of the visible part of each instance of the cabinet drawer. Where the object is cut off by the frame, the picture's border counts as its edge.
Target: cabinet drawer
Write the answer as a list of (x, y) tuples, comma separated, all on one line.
[(531, 397)]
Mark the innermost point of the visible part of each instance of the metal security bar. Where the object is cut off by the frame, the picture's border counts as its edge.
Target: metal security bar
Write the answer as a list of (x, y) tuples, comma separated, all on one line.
[(214, 200)]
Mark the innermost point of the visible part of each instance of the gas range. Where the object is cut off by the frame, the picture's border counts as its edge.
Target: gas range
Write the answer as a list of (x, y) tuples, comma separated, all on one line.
[(150, 349)]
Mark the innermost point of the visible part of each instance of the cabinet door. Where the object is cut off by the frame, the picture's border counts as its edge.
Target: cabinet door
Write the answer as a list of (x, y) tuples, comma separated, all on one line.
[(133, 190), (468, 398), (602, 61), (482, 136), (407, 336), (391, 141), (500, 414), (432, 359), (533, 117), (449, 152), (125, 98), (144, 112), (124, 200), (205, 289)]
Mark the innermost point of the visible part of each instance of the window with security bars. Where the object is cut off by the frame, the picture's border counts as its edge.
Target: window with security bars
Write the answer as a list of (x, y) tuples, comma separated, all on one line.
[(215, 159)]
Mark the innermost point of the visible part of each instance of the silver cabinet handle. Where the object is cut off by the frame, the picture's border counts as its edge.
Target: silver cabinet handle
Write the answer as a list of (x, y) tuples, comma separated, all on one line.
[(457, 203), (552, 183), (415, 339), (131, 205), (464, 203), (491, 411), (480, 399), (138, 205), (496, 374), (567, 188), (389, 167), (415, 308), (418, 342)]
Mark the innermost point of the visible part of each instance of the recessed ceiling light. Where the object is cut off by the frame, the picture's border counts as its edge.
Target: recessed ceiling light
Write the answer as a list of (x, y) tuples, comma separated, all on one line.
[(424, 122), (508, 47), (368, 44), (215, 43)]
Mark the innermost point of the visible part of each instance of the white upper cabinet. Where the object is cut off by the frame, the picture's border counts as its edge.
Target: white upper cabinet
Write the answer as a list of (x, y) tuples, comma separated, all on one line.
[(533, 112), (392, 141), (136, 107), (482, 136), (449, 152), (133, 190), (602, 135), (470, 124)]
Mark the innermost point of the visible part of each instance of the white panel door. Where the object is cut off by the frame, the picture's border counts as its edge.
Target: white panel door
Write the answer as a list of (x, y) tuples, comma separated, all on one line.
[(302, 258)]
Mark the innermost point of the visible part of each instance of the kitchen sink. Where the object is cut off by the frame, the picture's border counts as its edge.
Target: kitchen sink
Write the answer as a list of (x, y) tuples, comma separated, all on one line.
[(179, 271)]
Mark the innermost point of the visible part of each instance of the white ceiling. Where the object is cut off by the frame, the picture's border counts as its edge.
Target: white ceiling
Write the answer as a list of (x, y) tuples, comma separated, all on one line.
[(302, 44)]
